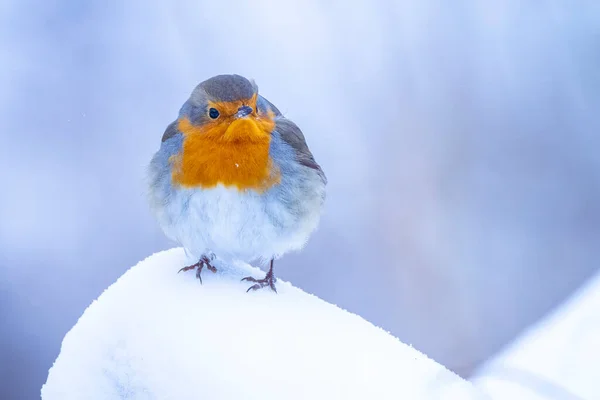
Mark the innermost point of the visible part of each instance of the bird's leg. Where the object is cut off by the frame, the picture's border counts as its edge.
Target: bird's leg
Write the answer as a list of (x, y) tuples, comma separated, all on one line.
[(269, 280), (203, 262)]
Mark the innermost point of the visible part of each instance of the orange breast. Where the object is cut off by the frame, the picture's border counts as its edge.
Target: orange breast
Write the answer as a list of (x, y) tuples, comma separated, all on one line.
[(231, 152)]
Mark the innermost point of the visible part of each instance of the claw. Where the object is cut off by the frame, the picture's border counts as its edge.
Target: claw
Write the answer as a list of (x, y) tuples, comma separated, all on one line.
[(198, 272), (261, 285), (254, 287), (203, 262), (269, 280), (188, 267)]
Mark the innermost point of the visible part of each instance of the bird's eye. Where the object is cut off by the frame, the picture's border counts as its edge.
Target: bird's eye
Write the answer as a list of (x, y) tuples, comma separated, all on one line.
[(213, 113)]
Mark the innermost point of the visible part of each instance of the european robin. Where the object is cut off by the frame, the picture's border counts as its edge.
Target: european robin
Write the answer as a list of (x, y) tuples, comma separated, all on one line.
[(234, 179)]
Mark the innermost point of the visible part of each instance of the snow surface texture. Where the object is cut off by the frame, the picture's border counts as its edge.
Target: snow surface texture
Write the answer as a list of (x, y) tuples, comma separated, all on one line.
[(555, 359), (156, 334)]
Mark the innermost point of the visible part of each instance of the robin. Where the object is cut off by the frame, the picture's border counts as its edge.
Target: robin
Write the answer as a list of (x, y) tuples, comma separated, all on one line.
[(234, 179)]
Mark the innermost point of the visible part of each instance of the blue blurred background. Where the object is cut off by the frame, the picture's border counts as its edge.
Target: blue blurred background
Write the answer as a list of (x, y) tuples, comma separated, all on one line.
[(461, 142)]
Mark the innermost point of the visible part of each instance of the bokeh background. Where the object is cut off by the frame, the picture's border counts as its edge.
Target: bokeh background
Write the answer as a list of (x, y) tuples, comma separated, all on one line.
[(461, 142)]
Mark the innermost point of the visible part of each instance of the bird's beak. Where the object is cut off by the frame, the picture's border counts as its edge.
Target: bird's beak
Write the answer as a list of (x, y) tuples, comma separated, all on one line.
[(243, 111)]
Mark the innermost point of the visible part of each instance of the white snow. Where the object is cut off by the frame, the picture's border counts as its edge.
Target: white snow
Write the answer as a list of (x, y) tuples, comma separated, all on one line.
[(156, 334), (558, 358)]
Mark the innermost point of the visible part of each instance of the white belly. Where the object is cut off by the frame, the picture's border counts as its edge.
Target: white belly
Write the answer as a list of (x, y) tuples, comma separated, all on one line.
[(234, 225)]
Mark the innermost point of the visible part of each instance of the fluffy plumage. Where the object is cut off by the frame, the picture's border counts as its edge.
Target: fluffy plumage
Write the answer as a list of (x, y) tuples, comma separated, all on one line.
[(252, 191)]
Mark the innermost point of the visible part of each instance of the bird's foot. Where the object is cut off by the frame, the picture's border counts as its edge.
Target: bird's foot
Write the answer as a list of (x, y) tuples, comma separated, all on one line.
[(269, 280), (203, 262)]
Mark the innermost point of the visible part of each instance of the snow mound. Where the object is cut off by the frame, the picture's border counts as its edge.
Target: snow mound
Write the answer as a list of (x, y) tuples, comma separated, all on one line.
[(556, 358), (156, 334)]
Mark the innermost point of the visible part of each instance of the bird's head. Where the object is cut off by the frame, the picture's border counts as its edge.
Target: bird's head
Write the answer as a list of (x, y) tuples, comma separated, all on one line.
[(226, 108)]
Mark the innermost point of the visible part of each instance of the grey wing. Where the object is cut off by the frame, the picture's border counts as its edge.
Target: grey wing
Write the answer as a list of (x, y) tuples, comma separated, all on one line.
[(292, 135), (170, 131), (264, 105)]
